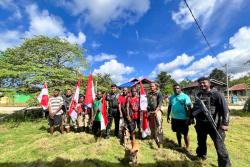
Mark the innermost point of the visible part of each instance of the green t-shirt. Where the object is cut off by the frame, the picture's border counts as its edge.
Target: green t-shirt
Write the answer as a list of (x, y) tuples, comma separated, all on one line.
[(178, 104), (97, 107)]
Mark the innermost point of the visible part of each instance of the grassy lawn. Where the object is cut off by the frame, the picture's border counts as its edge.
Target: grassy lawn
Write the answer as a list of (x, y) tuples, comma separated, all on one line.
[(27, 143)]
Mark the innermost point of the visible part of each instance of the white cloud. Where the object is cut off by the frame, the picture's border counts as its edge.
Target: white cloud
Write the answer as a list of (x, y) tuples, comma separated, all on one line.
[(132, 52), (241, 39), (80, 39), (100, 57), (95, 45), (201, 9), (9, 39), (235, 57), (99, 13), (179, 61), (116, 69), (41, 23), (203, 63), (11, 6)]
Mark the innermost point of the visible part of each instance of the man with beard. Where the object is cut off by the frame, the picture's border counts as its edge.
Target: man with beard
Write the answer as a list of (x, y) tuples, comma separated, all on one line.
[(113, 111), (97, 107), (179, 108), (155, 114), (217, 106), (66, 103)]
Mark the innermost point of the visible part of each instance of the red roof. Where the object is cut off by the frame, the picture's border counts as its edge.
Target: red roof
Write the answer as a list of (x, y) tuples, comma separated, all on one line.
[(191, 85), (242, 86)]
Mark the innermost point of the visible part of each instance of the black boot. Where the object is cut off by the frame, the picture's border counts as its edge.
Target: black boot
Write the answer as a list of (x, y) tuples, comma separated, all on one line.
[(107, 134), (87, 129)]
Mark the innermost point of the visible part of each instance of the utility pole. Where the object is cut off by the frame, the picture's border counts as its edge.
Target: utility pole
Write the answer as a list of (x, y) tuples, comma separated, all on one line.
[(228, 99)]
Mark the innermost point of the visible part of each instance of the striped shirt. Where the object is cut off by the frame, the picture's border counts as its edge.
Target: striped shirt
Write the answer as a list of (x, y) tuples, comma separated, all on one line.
[(55, 103)]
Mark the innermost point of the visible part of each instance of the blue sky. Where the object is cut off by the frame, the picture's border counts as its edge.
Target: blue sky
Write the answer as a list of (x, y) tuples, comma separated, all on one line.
[(138, 38)]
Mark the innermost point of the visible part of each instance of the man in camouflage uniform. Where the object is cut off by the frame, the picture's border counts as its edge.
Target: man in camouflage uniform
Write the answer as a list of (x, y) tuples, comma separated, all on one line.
[(67, 97), (155, 114), (113, 111)]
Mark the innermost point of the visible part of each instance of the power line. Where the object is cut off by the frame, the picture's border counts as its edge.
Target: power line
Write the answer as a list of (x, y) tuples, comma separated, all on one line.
[(199, 27)]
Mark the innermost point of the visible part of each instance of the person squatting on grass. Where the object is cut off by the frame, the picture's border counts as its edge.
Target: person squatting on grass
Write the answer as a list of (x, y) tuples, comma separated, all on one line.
[(180, 109), (155, 114), (67, 98), (217, 106), (133, 115), (55, 111)]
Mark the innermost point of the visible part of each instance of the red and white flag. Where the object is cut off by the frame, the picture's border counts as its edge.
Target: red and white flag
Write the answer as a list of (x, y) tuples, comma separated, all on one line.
[(90, 93), (72, 113), (143, 116), (104, 118), (43, 97)]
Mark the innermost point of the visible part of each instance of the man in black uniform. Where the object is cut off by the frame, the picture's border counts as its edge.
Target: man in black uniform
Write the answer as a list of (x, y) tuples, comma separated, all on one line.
[(113, 111), (216, 104)]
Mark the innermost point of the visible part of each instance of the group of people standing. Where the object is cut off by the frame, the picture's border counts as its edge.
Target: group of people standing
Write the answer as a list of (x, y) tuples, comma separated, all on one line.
[(124, 109)]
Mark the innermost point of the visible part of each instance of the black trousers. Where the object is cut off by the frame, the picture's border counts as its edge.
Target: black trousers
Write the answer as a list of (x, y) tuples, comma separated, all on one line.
[(113, 114), (96, 128), (202, 130)]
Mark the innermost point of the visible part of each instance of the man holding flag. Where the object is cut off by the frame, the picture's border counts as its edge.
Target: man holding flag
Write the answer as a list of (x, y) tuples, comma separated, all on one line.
[(74, 102), (67, 98), (43, 97), (155, 114), (145, 130), (100, 115), (88, 103)]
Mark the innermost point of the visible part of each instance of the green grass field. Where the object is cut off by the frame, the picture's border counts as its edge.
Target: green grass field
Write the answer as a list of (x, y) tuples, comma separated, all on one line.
[(27, 143)]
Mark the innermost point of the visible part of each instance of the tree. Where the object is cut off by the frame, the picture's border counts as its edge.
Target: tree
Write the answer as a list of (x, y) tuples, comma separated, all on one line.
[(104, 82), (165, 81), (41, 59), (218, 75), (185, 82), (244, 79)]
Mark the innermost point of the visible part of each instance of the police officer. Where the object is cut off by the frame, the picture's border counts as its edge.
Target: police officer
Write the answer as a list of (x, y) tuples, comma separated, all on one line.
[(216, 104), (113, 111), (155, 114)]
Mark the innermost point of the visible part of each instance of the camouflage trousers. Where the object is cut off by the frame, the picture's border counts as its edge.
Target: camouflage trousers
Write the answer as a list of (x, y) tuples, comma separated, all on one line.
[(155, 124)]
